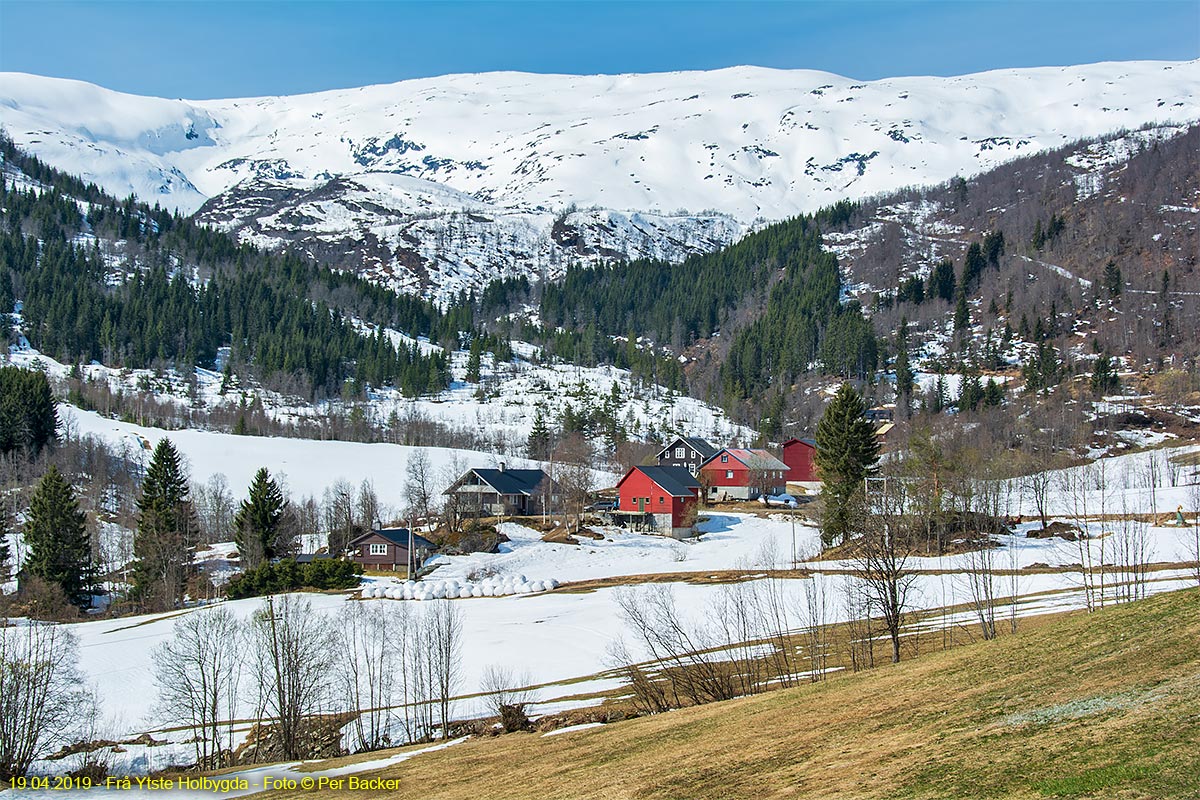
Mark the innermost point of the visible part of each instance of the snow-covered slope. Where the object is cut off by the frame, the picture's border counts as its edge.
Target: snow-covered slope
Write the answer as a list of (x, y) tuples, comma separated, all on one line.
[(494, 159)]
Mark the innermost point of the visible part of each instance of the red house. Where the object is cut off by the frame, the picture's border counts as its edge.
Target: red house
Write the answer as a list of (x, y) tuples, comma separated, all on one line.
[(660, 498), (800, 457), (740, 474)]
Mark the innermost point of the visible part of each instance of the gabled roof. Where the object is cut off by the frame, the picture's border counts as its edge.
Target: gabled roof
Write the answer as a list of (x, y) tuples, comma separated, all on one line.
[(752, 458), (675, 481), (505, 481), (397, 536), (810, 442), (701, 446)]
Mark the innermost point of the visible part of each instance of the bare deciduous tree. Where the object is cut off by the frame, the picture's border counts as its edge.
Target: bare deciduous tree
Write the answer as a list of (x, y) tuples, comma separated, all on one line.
[(816, 631), (371, 646), (882, 553), (418, 483), (444, 643), (1194, 540), (198, 674), (508, 696), (42, 698), (294, 649)]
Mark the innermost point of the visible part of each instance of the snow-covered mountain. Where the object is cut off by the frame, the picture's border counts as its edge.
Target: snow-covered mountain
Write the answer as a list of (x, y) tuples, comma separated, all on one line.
[(441, 183)]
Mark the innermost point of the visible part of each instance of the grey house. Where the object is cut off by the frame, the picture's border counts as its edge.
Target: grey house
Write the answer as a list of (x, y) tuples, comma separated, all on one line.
[(505, 492), (686, 451)]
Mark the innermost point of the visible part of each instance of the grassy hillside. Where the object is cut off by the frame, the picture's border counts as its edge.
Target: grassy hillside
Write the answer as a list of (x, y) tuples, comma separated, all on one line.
[(1106, 705)]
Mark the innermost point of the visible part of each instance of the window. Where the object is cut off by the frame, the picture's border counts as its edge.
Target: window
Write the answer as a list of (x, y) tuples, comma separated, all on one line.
[(379, 549), (724, 459), (662, 500), (679, 452), (728, 473)]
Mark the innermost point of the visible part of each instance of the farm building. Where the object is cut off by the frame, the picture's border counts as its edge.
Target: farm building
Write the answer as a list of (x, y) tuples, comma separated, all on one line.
[(659, 499), (686, 451), (800, 457), (736, 473)]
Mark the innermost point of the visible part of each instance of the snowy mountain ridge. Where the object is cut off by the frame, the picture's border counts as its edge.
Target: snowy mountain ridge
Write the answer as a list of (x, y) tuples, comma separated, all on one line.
[(441, 183)]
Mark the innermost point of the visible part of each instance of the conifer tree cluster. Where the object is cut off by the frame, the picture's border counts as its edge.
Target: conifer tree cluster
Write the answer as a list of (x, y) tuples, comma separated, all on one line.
[(28, 419)]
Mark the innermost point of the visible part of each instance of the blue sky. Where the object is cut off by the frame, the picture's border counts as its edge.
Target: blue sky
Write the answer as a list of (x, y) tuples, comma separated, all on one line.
[(225, 49)]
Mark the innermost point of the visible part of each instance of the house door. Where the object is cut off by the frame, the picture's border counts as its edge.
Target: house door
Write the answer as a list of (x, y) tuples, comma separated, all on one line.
[(641, 505)]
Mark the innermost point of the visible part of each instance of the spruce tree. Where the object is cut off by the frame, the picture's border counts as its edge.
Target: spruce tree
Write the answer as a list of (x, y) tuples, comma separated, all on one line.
[(4, 551), (538, 444), (993, 393), (1104, 378), (474, 360), (256, 524), (970, 393), (60, 550), (904, 373), (1113, 282), (166, 532), (962, 311), (846, 453)]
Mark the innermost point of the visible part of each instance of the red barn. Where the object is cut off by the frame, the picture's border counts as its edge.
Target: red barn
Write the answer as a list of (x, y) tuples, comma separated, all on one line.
[(662, 498), (800, 457), (740, 474)]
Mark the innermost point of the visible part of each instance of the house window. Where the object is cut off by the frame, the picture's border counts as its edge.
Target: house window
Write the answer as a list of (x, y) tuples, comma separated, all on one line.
[(379, 549), (728, 473), (724, 459), (679, 452), (661, 500)]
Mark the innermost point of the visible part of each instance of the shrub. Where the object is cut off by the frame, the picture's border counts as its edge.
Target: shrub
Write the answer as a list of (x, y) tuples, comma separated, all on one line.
[(286, 575)]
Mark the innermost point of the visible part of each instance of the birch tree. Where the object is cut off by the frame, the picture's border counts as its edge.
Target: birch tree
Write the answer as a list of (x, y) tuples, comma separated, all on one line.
[(198, 673), (42, 699)]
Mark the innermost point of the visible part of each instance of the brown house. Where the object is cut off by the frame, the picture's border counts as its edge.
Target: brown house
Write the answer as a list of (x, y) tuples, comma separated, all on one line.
[(387, 549)]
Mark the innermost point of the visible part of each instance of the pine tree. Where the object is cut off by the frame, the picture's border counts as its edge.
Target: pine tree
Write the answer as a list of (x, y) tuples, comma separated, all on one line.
[(60, 550), (846, 453), (256, 524), (166, 532)]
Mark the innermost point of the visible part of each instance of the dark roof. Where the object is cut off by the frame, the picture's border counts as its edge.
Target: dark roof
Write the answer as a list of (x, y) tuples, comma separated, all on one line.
[(701, 446), (806, 440), (508, 481), (397, 536), (675, 481)]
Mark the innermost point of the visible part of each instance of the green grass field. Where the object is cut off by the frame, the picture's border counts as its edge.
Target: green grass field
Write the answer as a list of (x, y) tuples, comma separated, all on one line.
[(1105, 705)]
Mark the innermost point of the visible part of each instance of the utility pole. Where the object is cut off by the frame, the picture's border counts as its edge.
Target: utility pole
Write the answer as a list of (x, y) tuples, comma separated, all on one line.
[(408, 560), (793, 517)]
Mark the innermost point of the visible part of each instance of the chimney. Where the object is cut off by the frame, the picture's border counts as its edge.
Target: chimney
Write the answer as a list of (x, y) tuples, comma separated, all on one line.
[(502, 466)]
